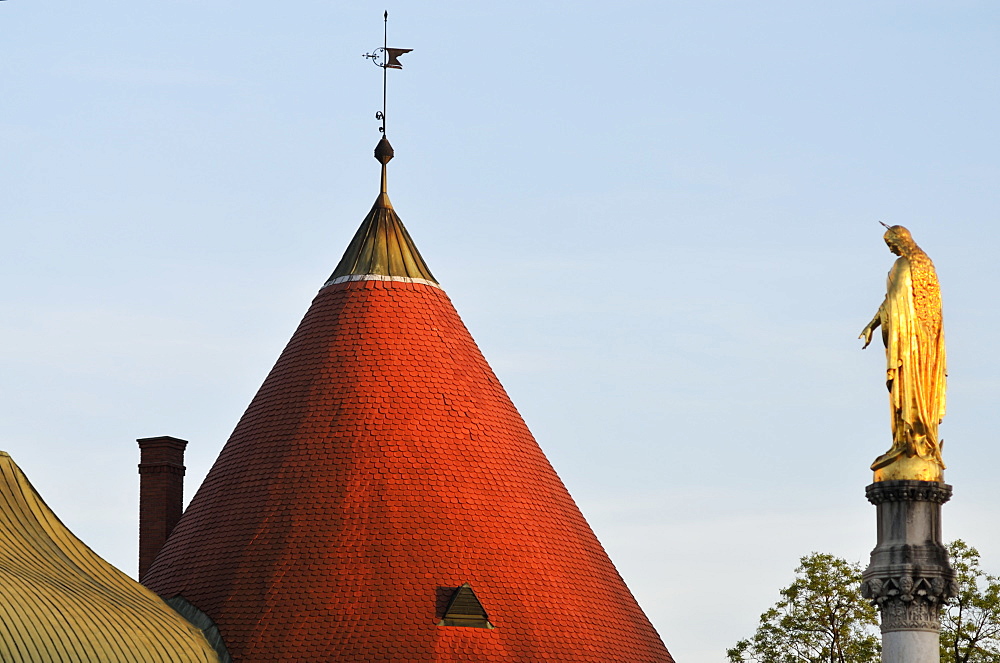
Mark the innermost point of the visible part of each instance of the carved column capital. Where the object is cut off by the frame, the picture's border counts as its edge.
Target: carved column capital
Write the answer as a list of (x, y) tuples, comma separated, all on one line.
[(909, 602), (908, 491)]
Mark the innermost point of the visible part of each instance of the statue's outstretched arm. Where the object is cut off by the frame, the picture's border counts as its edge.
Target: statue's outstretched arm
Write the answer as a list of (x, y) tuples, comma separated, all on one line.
[(866, 333)]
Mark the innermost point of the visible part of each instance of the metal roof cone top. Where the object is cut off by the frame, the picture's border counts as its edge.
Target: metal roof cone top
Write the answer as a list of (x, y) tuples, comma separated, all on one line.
[(382, 249)]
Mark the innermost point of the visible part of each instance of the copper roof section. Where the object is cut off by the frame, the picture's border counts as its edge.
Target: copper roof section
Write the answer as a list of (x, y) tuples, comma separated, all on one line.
[(382, 247), (61, 603)]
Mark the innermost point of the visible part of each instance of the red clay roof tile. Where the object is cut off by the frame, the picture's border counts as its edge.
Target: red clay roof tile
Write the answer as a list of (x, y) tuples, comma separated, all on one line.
[(380, 465)]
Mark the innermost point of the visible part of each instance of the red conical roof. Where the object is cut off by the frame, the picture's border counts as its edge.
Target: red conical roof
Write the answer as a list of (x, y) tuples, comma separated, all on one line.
[(379, 469)]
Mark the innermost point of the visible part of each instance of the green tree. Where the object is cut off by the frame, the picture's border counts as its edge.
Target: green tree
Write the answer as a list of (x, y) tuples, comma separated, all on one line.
[(821, 618), (970, 624)]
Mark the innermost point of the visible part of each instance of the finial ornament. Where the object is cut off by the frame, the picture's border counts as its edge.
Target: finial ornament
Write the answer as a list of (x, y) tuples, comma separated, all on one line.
[(913, 335), (386, 58), (383, 151)]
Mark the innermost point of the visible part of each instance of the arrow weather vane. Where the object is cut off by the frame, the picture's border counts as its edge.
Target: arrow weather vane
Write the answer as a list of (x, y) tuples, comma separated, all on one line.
[(387, 58)]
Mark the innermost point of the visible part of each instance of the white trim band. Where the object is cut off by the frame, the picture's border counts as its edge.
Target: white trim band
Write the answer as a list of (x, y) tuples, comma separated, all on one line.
[(379, 277)]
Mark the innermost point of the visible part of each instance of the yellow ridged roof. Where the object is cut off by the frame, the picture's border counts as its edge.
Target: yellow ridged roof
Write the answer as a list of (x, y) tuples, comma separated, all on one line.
[(61, 603), (382, 247)]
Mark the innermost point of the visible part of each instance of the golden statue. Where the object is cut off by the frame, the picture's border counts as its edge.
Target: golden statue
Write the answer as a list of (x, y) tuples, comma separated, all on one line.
[(913, 334)]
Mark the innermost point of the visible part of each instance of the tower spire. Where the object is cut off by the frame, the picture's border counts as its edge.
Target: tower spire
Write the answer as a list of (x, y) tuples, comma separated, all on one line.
[(386, 58), (385, 45), (382, 498), (382, 248)]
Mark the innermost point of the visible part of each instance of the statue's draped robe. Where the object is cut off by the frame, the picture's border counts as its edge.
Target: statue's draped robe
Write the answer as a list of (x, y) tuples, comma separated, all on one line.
[(913, 334)]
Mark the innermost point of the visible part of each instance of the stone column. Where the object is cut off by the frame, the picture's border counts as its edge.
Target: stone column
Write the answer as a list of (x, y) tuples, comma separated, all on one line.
[(909, 578)]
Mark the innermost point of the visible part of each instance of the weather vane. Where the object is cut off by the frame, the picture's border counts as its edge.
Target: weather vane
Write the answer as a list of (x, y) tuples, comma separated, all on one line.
[(387, 58)]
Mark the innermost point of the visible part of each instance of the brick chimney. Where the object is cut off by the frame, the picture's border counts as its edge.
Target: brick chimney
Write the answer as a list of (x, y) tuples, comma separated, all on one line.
[(161, 494)]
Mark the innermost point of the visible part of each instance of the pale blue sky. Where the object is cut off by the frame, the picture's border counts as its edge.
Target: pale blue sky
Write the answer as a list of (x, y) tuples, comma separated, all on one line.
[(659, 220)]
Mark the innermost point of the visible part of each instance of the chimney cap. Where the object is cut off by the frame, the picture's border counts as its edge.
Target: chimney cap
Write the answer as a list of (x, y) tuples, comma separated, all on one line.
[(161, 441)]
